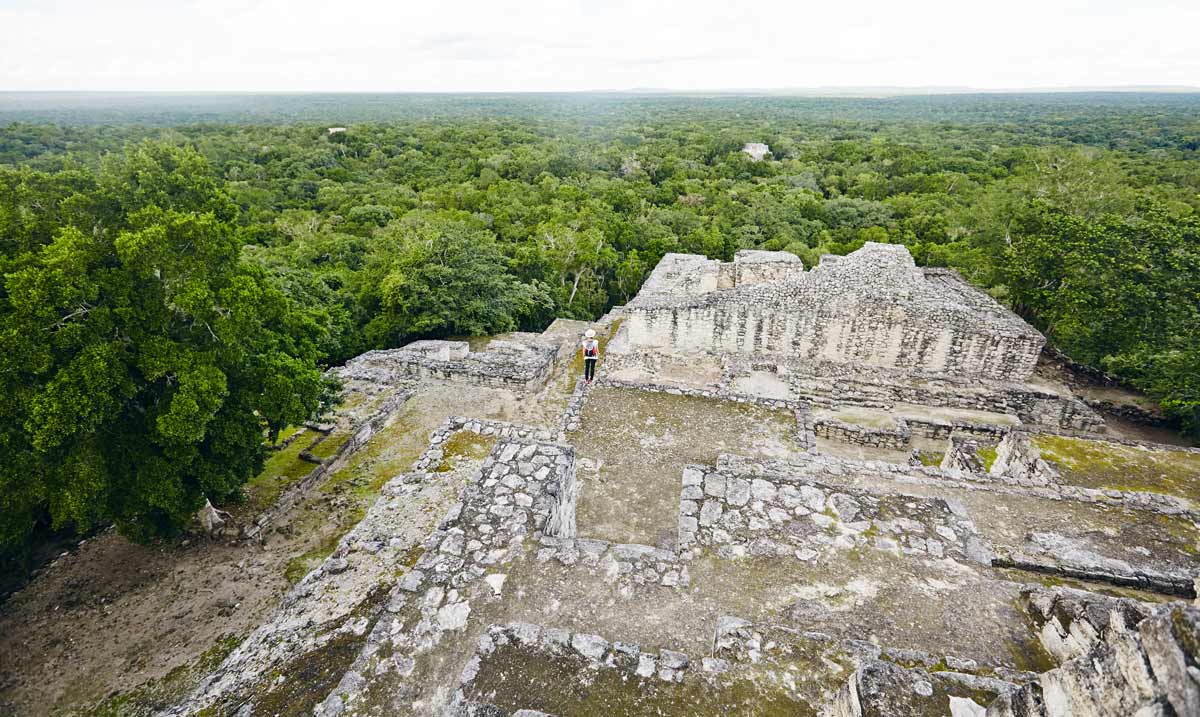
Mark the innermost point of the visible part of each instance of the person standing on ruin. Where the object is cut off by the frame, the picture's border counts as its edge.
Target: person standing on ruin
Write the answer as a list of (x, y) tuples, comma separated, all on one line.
[(591, 354)]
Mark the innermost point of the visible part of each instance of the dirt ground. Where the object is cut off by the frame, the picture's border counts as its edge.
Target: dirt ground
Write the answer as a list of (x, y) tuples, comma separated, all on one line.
[(633, 448)]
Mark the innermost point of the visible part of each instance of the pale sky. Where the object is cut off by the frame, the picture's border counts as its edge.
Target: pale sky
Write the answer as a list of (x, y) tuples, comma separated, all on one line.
[(540, 45)]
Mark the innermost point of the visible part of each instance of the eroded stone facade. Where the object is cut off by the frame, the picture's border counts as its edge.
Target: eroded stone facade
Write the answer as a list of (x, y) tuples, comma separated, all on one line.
[(874, 307)]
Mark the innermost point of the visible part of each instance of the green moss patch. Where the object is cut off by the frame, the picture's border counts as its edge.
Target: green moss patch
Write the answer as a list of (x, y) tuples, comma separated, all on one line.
[(282, 469), (329, 447), (464, 444), (156, 695), (285, 434), (514, 678), (930, 458), (987, 456), (1103, 465)]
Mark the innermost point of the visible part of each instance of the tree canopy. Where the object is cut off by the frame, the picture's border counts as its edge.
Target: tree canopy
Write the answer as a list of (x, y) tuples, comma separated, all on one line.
[(142, 359)]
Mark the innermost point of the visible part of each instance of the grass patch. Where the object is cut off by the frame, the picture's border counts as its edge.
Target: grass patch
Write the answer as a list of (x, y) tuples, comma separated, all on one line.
[(987, 456), (329, 447), (388, 454), (1102, 465), (932, 459), (149, 698), (284, 435), (283, 468)]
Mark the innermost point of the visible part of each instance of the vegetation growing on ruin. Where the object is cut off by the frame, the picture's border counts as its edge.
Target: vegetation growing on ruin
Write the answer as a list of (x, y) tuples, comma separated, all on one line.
[(1097, 464), (464, 444), (515, 678), (987, 456), (329, 447), (155, 695), (283, 468)]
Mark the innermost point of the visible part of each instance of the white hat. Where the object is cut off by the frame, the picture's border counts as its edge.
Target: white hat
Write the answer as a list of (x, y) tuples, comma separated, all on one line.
[(590, 333)]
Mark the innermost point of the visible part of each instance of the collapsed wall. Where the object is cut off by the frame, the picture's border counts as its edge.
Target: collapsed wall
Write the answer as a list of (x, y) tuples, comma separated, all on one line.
[(521, 362), (874, 307), (1118, 657)]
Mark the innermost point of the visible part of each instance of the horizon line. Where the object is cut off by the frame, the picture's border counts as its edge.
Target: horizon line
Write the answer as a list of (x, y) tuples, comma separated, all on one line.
[(823, 90)]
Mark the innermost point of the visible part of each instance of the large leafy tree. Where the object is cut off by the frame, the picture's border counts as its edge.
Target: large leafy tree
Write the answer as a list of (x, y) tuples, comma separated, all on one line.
[(434, 275), (141, 360)]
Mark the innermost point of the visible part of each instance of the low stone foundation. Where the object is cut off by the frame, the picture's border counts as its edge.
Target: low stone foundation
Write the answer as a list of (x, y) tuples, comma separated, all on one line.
[(741, 514)]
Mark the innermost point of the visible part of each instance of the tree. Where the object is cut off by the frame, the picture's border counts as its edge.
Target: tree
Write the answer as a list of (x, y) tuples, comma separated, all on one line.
[(1118, 292), (430, 275), (142, 360)]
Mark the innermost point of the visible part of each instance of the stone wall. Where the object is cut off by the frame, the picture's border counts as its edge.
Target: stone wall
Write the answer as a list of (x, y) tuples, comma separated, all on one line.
[(899, 438), (1017, 457), (837, 384), (788, 516), (523, 487), (872, 307), (360, 434), (833, 429), (520, 365)]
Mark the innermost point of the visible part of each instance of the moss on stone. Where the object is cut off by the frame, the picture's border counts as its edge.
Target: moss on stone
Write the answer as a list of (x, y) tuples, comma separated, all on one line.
[(464, 444), (930, 458), (1104, 465), (329, 447), (151, 697), (987, 456), (282, 469), (514, 678), (1027, 652)]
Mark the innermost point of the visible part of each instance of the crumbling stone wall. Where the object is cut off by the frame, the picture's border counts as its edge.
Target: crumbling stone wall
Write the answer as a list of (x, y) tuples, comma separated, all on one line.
[(879, 387), (520, 365), (1017, 457), (525, 486), (872, 307), (1120, 658), (895, 438), (741, 514)]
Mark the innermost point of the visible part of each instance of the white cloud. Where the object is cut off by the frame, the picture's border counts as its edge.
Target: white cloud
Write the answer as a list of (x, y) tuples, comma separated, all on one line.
[(545, 45)]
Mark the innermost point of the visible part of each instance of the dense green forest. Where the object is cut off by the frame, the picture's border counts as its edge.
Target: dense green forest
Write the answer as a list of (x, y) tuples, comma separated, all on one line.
[(171, 289)]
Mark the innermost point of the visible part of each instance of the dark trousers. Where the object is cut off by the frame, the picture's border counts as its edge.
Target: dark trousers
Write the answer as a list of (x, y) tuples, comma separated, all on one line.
[(589, 368)]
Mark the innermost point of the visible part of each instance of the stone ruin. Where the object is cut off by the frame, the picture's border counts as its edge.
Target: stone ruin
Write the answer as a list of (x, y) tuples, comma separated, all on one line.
[(841, 492), (869, 329), (521, 361), (757, 151), (873, 308)]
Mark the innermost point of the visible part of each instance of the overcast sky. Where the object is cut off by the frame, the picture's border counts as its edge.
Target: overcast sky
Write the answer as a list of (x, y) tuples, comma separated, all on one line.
[(538, 45)]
